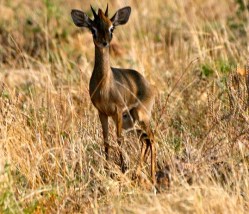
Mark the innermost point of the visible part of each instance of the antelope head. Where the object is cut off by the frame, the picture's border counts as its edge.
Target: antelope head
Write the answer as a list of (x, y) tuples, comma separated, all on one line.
[(101, 27)]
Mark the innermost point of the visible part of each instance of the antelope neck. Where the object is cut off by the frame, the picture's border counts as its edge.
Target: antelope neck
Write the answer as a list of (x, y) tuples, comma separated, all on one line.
[(102, 67)]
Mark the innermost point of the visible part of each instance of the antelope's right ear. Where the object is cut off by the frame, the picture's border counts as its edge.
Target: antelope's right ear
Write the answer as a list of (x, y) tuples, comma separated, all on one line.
[(121, 16), (80, 19)]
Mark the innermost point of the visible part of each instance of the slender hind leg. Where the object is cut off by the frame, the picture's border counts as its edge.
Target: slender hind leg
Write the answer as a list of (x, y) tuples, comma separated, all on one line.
[(146, 154), (143, 138), (141, 160), (151, 144), (143, 118)]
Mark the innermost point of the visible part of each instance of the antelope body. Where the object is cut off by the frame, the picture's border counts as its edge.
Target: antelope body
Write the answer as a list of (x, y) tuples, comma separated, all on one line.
[(123, 94)]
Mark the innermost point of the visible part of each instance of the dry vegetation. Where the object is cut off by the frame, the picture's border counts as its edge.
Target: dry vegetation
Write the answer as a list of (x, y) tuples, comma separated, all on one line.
[(50, 138)]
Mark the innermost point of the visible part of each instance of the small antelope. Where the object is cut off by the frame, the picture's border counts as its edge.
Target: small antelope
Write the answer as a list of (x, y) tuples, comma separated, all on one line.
[(123, 94)]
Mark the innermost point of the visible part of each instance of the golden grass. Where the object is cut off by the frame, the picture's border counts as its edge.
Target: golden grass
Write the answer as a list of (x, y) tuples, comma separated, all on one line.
[(51, 147)]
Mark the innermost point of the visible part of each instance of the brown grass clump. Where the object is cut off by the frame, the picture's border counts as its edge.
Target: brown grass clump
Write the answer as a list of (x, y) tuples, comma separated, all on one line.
[(51, 151)]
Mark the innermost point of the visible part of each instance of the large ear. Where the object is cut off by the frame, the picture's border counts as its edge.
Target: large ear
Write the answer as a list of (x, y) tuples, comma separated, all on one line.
[(121, 16), (80, 19)]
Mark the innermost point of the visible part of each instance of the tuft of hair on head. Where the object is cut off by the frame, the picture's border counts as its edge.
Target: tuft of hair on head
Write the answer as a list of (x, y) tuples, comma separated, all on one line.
[(101, 13)]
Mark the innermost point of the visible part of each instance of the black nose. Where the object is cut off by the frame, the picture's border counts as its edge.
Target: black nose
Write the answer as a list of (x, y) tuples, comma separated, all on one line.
[(105, 43)]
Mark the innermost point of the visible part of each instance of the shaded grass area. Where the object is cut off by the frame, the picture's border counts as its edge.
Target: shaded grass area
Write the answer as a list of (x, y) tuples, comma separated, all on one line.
[(51, 149)]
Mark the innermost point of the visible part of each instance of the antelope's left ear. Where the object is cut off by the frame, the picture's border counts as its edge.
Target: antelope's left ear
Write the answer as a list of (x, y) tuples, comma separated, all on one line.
[(121, 16)]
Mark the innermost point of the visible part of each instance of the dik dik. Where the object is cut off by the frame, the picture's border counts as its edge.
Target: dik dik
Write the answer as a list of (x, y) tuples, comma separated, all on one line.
[(123, 94)]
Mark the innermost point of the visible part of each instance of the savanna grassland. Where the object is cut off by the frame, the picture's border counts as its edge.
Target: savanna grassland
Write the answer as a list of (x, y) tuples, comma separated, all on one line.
[(51, 149)]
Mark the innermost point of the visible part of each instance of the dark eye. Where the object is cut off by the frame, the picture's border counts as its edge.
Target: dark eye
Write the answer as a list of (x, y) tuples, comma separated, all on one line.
[(111, 29)]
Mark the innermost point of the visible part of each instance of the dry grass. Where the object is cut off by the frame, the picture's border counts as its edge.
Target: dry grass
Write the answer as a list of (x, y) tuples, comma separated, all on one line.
[(50, 138)]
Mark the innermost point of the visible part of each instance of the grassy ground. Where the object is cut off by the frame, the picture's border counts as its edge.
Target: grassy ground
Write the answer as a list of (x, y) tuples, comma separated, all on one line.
[(51, 147)]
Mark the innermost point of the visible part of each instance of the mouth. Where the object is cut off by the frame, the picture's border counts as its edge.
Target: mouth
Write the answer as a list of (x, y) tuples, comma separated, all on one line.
[(105, 44)]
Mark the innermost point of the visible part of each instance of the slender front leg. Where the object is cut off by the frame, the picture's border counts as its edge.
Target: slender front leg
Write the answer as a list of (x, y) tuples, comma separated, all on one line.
[(119, 122), (104, 122)]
